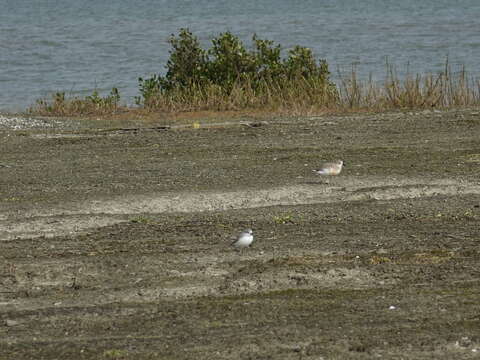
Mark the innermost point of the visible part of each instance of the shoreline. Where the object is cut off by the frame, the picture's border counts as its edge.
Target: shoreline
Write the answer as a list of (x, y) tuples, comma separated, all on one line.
[(26, 121)]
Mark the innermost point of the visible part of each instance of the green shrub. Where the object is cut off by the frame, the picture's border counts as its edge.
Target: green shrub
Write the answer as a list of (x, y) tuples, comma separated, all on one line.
[(186, 67), (228, 68), (229, 61), (187, 64)]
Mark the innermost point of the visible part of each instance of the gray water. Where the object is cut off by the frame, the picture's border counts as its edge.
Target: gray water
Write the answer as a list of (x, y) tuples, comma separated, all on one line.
[(77, 46)]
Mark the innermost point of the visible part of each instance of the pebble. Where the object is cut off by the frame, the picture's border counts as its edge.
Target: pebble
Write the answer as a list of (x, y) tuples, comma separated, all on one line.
[(9, 322), (24, 123)]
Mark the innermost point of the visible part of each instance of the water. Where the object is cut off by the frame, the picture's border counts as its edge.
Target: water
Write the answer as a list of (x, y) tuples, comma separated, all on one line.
[(77, 46)]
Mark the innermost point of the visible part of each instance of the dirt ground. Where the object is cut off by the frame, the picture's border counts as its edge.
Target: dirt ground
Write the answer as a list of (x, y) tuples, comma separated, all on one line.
[(115, 239)]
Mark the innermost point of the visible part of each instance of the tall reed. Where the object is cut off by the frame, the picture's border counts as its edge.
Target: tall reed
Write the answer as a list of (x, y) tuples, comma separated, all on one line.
[(443, 90)]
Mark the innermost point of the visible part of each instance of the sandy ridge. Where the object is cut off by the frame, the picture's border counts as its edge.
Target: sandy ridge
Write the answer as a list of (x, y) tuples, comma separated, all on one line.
[(76, 217)]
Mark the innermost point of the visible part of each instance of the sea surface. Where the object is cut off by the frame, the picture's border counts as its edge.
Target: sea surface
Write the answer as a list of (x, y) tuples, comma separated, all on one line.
[(77, 46)]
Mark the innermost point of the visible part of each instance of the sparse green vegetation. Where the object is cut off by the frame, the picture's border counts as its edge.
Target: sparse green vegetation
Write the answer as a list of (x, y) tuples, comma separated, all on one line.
[(94, 104), (115, 354), (284, 219), (142, 220)]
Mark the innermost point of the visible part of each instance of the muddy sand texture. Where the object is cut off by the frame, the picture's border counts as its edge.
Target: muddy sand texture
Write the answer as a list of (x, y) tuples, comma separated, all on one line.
[(115, 243)]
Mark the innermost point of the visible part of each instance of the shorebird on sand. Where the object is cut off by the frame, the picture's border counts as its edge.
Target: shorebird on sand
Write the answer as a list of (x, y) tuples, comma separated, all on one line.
[(330, 168), (244, 240)]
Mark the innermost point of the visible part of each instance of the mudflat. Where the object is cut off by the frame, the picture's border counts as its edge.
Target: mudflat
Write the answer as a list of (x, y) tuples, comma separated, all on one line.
[(116, 239)]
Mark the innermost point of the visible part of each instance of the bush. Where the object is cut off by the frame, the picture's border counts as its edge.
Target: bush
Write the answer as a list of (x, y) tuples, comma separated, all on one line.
[(228, 67)]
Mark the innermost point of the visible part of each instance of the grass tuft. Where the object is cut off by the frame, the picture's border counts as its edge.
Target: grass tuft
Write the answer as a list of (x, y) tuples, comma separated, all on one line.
[(61, 105)]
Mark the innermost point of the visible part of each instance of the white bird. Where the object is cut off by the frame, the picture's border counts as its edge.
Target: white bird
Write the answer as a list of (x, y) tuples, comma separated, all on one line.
[(244, 240), (330, 168)]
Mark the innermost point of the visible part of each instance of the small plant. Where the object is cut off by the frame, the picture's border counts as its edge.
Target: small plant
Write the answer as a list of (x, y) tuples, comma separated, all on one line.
[(284, 219), (149, 88), (111, 100), (115, 354)]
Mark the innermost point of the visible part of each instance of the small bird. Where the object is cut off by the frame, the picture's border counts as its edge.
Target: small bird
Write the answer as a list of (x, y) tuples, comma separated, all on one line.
[(244, 240), (330, 168)]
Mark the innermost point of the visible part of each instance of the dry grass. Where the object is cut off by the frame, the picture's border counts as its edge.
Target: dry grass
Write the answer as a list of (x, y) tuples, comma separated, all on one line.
[(92, 105), (292, 96), (295, 97), (442, 90)]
